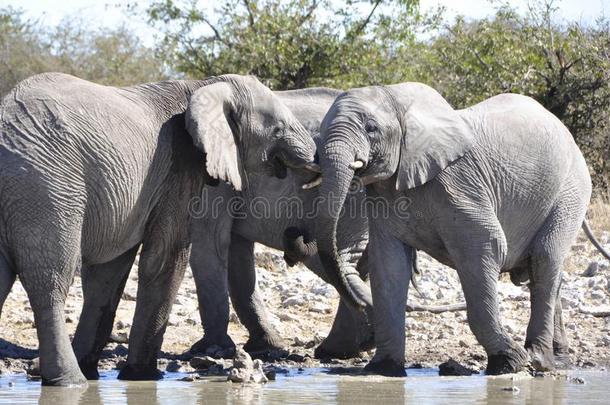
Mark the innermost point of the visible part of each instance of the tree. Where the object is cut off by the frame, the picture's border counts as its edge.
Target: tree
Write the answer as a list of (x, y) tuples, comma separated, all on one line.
[(288, 44), (113, 57), (566, 67)]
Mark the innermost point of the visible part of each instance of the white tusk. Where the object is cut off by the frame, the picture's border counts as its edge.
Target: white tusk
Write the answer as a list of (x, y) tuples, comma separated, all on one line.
[(358, 164), (314, 183), (313, 167)]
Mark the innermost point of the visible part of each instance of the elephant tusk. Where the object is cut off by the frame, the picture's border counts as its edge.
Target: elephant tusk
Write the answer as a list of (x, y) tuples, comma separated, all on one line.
[(314, 183), (358, 164), (313, 167)]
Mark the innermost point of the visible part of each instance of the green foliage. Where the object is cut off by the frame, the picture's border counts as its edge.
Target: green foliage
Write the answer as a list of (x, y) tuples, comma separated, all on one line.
[(344, 43), (288, 44), (566, 67), (115, 57)]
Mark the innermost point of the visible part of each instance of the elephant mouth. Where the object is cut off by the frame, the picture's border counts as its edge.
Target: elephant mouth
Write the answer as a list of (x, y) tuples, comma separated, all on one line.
[(280, 162), (357, 165)]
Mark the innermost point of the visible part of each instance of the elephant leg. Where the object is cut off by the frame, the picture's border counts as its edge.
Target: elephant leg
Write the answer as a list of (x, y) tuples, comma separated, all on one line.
[(103, 286), (47, 288), (479, 282), (541, 328), (561, 346), (246, 299), (545, 335), (163, 259), (7, 279), (351, 331), (209, 263), (390, 269), (350, 334)]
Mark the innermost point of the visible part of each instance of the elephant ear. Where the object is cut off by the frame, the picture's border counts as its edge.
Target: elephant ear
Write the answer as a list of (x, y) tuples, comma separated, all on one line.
[(433, 134), (209, 122)]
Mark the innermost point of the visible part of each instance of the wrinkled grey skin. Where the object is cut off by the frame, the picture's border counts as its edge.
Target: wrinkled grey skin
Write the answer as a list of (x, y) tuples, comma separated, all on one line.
[(500, 186), (223, 248), (90, 173)]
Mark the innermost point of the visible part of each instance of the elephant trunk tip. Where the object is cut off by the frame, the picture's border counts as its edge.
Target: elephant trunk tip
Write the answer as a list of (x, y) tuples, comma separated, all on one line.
[(298, 246)]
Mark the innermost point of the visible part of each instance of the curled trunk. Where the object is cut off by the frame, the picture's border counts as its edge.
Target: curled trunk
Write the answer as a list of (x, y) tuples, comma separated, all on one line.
[(337, 177), (298, 246)]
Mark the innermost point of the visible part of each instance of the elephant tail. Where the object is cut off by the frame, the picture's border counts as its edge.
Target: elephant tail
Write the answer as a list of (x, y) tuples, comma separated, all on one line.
[(594, 241)]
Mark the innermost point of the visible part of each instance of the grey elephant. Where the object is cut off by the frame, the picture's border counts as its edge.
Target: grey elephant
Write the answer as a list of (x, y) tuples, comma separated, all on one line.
[(498, 187), (90, 173), (229, 224)]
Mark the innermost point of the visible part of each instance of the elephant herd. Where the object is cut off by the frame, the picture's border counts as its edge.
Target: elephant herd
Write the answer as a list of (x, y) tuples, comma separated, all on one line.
[(352, 183)]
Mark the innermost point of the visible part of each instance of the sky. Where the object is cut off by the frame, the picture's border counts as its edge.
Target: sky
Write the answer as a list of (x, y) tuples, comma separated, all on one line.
[(109, 13)]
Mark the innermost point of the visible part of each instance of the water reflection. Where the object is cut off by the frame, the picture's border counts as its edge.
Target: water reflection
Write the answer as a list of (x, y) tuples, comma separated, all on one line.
[(316, 387)]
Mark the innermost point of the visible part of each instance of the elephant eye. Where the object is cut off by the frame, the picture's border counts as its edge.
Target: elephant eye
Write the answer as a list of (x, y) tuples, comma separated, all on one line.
[(370, 126)]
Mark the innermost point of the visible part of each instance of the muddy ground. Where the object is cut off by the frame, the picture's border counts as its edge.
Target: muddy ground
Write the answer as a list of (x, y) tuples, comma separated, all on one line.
[(304, 306)]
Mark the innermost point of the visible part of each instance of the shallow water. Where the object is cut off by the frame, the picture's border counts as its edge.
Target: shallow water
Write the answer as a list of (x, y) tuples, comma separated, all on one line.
[(317, 386)]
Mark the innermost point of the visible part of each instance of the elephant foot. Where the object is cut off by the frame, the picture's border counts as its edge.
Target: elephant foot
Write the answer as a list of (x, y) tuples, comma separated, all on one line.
[(134, 372), (562, 359), (331, 351), (222, 347), (368, 343), (73, 378), (334, 347), (541, 359), (89, 369), (386, 367), (266, 343), (506, 362)]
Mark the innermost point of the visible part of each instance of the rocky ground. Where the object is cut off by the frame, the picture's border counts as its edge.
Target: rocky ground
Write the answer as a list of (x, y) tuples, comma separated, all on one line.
[(304, 306)]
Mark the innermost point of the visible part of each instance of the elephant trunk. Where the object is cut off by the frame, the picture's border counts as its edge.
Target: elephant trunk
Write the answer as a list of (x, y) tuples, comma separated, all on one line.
[(298, 246), (337, 175)]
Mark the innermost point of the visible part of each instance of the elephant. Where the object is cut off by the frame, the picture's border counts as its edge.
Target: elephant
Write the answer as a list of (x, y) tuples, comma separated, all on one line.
[(497, 187), (91, 173), (225, 254)]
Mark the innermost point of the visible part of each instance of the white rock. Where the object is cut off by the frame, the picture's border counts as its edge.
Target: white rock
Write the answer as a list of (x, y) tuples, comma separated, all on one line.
[(320, 308), (295, 300)]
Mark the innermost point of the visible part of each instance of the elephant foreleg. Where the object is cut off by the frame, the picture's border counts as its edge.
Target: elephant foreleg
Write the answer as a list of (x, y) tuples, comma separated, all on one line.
[(103, 286), (209, 263), (390, 268), (246, 299)]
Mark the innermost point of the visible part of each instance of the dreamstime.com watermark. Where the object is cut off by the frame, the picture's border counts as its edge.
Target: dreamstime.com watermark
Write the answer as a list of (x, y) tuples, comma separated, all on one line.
[(303, 206)]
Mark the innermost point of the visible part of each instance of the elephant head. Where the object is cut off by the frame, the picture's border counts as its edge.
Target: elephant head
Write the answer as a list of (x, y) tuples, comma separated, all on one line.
[(405, 134), (239, 123)]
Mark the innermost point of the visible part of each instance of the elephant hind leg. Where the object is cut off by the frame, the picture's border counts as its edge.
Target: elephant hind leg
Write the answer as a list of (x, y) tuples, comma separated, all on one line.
[(478, 260), (549, 250), (47, 279), (560, 339), (480, 291), (7, 279), (103, 286)]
